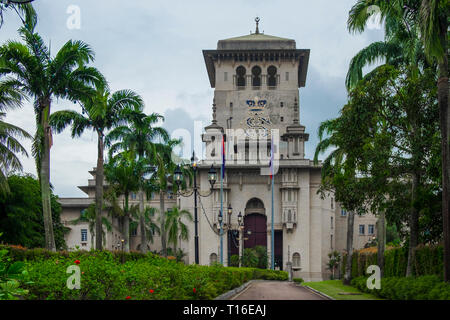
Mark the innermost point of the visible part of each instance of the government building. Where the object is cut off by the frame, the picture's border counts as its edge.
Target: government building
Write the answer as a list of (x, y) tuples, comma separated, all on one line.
[(257, 104)]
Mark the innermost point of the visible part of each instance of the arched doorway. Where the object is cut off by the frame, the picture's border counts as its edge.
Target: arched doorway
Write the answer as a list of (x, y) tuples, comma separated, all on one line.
[(255, 224), (255, 230)]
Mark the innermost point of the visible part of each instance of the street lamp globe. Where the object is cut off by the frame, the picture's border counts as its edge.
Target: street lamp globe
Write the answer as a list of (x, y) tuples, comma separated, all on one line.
[(178, 175), (230, 209), (240, 218), (212, 176)]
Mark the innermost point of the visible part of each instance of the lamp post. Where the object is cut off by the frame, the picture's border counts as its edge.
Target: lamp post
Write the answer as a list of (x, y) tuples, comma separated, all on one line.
[(123, 241), (212, 177)]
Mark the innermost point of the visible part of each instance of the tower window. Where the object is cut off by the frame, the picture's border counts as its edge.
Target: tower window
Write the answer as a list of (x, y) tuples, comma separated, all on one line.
[(281, 119), (281, 104), (231, 104), (272, 76), (240, 74), (256, 76), (225, 76), (83, 234), (287, 76)]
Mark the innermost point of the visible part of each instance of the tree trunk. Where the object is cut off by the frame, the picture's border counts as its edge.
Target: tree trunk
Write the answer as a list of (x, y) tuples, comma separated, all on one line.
[(381, 235), (163, 222), (444, 108), (126, 226), (348, 266), (413, 225), (45, 179), (142, 222), (99, 193)]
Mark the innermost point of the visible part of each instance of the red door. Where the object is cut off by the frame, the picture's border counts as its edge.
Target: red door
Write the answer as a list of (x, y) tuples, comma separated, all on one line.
[(257, 225)]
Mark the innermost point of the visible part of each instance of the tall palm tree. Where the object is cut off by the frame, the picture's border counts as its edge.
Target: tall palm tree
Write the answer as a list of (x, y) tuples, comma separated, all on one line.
[(175, 227), (30, 68), (165, 169), (89, 215), (124, 173), (140, 137), (100, 113), (25, 11)]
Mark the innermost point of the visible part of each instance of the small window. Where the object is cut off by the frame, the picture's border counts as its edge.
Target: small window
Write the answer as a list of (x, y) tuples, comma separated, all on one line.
[(133, 196), (371, 229), (240, 74), (83, 235), (296, 260), (212, 258), (134, 231), (361, 229), (332, 203), (272, 76), (231, 104), (331, 242), (225, 76), (287, 76), (281, 119), (343, 213), (281, 104), (332, 223), (256, 76)]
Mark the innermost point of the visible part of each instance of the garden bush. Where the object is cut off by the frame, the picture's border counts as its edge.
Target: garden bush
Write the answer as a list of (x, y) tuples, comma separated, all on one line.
[(105, 277), (429, 287), (428, 261)]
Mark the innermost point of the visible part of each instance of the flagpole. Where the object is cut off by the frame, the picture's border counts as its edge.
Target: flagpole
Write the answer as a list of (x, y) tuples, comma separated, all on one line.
[(272, 255), (273, 234), (221, 201)]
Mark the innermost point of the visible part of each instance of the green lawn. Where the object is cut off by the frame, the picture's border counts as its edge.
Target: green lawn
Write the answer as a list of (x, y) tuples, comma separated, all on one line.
[(332, 288)]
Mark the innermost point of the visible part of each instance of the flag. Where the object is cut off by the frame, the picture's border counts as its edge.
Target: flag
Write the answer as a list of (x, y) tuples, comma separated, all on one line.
[(271, 157), (223, 156)]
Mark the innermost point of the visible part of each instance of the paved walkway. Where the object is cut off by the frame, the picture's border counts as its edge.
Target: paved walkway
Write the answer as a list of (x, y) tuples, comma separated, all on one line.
[(276, 290)]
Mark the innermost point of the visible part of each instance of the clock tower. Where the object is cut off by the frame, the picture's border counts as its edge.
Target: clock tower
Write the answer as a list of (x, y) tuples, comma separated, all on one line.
[(256, 80)]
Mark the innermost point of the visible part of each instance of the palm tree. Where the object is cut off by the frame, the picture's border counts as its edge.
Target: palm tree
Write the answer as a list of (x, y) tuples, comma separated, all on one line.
[(9, 147), (30, 68), (427, 21), (175, 227), (100, 113), (124, 174), (165, 168), (147, 221), (89, 215), (25, 11), (139, 137), (334, 164)]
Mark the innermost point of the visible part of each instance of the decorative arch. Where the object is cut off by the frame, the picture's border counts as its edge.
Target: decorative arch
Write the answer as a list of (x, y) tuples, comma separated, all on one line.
[(272, 76), (240, 76), (212, 258), (296, 260), (256, 76), (255, 205)]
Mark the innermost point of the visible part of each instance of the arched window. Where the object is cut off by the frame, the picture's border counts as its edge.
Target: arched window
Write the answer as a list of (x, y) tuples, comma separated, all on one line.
[(289, 216), (296, 260), (212, 258), (256, 76), (272, 76), (240, 76)]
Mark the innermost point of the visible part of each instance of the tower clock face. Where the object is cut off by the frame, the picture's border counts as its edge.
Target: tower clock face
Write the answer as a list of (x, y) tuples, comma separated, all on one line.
[(257, 122)]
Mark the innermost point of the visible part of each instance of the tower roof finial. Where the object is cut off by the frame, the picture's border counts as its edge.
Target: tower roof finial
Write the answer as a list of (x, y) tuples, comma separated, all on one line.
[(257, 25)]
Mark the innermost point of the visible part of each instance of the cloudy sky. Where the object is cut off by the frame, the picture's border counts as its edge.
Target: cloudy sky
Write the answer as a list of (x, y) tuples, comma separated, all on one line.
[(155, 48)]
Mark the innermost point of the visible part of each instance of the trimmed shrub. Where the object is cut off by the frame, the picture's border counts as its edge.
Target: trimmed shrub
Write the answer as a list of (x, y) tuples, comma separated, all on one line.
[(428, 287), (143, 277), (298, 280)]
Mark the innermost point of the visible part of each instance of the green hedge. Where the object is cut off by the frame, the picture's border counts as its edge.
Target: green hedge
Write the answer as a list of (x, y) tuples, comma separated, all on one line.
[(139, 277), (428, 261), (428, 287)]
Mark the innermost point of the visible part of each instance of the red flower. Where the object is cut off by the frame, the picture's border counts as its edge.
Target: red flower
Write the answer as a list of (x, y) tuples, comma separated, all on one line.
[(194, 290), (128, 298), (151, 291), (77, 261), (82, 272)]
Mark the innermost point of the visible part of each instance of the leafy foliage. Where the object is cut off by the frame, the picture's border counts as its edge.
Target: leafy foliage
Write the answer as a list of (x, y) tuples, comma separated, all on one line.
[(21, 218)]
